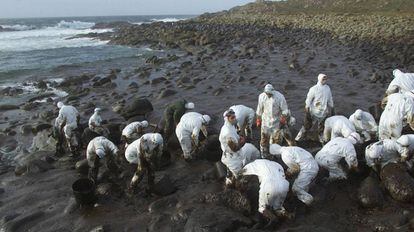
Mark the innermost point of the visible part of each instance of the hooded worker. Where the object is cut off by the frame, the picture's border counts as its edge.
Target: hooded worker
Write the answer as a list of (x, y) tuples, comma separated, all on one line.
[(101, 148), (402, 82), (188, 129), (67, 122), (272, 114), (273, 186), (173, 114), (245, 118), (298, 160), (133, 131), (398, 112), (338, 126), (384, 152), (331, 154), (318, 106), (146, 152), (364, 124), (95, 123), (236, 152)]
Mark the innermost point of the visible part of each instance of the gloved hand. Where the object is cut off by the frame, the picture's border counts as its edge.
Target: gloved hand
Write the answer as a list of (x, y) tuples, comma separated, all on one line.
[(307, 109), (258, 122)]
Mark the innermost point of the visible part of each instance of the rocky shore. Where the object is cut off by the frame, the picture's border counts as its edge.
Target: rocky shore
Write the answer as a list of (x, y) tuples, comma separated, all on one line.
[(215, 60)]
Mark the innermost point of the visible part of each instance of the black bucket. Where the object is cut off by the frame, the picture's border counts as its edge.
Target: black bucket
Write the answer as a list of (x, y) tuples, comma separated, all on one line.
[(84, 191)]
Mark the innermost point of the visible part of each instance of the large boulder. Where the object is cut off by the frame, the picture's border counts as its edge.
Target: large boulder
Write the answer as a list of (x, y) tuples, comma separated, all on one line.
[(369, 193), (215, 219), (135, 107), (398, 182), (43, 142)]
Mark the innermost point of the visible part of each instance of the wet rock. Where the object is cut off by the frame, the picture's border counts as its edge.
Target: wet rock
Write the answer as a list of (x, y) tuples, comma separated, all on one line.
[(230, 198), (26, 129), (43, 141), (41, 85), (186, 64), (11, 91), (40, 127), (21, 221), (369, 193), (218, 91), (162, 204), (104, 189), (154, 60), (82, 167), (46, 115), (30, 106), (6, 107), (133, 85), (166, 93), (102, 81), (33, 166), (7, 144), (100, 229), (214, 219), (398, 182), (88, 135), (137, 106), (158, 80), (164, 186)]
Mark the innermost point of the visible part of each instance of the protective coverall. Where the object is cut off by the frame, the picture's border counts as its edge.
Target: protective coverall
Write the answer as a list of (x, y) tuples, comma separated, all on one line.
[(338, 126), (404, 82), (133, 131), (100, 148), (188, 129), (383, 152), (68, 120), (318, 106), (173, 114), (364, 124), (146, 152), (397, 113), (273, 184), (245, 118), (95, 123), (336, 149), (271, 108), (236, 153), (298, 160)]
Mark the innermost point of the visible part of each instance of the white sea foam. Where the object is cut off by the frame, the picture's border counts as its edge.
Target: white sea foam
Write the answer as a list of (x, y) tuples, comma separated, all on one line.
[(54, 37), (19, 27), (167, 20)]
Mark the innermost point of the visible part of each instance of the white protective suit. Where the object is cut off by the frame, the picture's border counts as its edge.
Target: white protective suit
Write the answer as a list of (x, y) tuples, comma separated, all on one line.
[(269, 110), (397, 113), (273, 184), (364, 124), (188, 129), (337, 126), (404, 82), (149, 142), (407, 146), (68, 115), (383, 152), (298, 160), (319, 103), (330, 155), (235, 160), (95, 123), (245, 118), (100, 146), (133, 130)]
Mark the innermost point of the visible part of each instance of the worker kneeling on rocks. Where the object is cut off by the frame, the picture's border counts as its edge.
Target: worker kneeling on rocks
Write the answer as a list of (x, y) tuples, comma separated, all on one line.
[(95, 123), (146, 152), (381, 153), (133, 131), (336, 149), (66, 123), (172, 116), (188, 130), (338, 126), (101, 148), (273, 187), (364, 124), (236, 152), (245, 118), (272, 115), (398, 112), (298, 160), (318, 106)]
